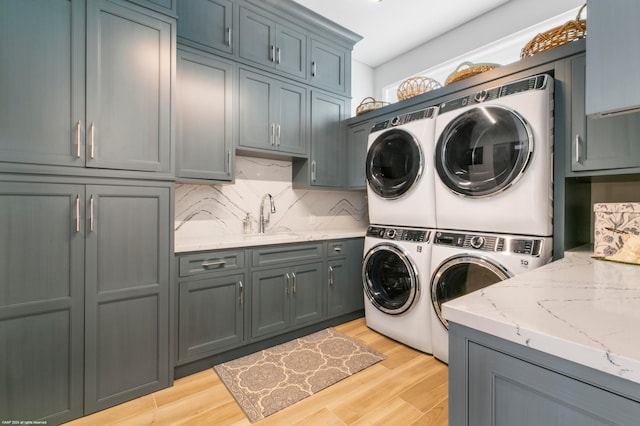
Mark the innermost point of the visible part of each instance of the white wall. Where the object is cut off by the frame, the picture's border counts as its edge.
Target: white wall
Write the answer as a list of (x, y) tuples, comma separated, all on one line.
[(501, 22), (361, 84)]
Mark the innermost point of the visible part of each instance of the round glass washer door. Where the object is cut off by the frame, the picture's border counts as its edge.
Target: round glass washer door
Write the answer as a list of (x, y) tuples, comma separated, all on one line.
[(390, 279), (394, 163), (460, 275), (483, 151)]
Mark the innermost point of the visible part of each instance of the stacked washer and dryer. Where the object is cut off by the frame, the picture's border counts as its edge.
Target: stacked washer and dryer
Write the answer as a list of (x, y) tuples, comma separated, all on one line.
[(487, 217)]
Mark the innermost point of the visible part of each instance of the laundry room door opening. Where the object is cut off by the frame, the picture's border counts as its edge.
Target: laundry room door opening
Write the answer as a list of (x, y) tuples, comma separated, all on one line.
[(483, 151)]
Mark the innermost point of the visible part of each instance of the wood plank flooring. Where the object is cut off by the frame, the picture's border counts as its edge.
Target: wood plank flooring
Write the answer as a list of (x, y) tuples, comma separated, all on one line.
[(407, 388)]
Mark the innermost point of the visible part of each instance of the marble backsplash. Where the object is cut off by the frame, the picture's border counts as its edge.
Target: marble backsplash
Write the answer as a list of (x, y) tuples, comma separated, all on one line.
[(210, 211)]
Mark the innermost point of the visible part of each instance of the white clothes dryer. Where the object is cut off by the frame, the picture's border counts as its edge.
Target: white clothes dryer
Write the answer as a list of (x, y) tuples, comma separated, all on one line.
[(465, 262), (395, 277), (399, 170), (494, 160)]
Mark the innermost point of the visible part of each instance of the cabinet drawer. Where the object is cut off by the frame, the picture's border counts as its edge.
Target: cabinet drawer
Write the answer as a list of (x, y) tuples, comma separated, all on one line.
[(338, 248), (202, 263), (286, 253)]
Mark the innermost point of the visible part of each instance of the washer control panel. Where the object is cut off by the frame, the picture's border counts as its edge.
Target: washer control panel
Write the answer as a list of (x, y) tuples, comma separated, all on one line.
[(404, 119), (530, 247), (399, 234)]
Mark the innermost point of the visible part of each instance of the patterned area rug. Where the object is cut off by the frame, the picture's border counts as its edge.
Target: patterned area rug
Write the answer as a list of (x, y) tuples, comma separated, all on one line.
[(270, 380)]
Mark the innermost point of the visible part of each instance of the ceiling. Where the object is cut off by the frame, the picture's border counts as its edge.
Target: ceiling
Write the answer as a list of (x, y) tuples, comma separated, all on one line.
[(392, 27)]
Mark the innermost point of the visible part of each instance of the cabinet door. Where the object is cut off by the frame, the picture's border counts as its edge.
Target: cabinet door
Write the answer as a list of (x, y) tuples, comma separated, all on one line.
[(128, 88), (291, 119), (327, 66), (205, 122), (270, 305), (206, 23), (257, 38), (42, 82), (327, 151), (127, 280), (357, 138), (600, 143), (291, 51), (41, 301), (612, 56), (337, 288), (306, 293), (211, 313), (256, 104)]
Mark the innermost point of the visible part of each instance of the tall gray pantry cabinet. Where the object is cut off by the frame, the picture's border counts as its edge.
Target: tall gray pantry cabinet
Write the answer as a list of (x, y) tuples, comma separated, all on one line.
[(85, 205)]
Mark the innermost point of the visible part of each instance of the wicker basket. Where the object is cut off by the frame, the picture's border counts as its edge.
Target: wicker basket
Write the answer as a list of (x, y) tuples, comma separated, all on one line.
[(369, 104), (468, 69), (416, 85), (571, 31)]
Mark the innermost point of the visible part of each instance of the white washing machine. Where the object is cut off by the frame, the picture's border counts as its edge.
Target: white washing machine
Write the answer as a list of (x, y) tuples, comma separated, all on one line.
[(395, 277), (399, 170), (463, 262), (494, 160)]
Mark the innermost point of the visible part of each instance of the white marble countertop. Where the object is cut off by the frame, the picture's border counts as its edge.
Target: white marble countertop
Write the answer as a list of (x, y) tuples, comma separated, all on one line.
[(233, 241), (578, 308)]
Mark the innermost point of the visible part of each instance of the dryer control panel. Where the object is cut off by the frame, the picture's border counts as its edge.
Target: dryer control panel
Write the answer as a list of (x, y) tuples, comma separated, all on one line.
[(404, 119), (494, 243), (399, 234)]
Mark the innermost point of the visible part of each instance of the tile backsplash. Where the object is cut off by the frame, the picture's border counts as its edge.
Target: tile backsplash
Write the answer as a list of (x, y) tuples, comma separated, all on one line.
[(207, 211)]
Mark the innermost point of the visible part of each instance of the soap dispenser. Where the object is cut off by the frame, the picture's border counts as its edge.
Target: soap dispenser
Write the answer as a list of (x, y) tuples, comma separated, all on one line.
[(246, 224)]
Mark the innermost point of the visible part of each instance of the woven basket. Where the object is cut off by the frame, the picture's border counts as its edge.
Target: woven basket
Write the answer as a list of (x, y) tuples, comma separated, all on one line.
[(563, 34), (369, 104), (468, 69), (416, 85)]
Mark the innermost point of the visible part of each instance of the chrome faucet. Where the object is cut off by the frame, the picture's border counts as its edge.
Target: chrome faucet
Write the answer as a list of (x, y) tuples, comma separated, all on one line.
[(272, 209)]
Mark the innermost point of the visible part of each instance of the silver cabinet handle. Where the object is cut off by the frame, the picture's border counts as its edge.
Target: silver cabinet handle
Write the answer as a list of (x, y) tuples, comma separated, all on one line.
[(92, 133), (314, 68), (277, 55), (331, 276), (78, 131), (295, 282), (77, 213), (288, 283), (313, 171), (91, 228), (273, 53), (229, 36), (337, 249), (229, 163), (272, 137), (577, 147), (241, 292), (206, 265), (278, 135)]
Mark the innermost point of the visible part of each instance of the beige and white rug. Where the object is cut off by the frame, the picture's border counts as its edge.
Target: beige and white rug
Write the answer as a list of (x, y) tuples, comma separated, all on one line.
[(270, 380)]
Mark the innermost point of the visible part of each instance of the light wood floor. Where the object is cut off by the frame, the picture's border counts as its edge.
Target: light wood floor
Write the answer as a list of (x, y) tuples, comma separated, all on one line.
[(407, 388)]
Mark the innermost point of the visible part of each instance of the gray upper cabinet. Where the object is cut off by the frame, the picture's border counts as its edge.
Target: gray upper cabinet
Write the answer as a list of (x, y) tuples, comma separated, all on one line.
[(327, 149), (129, 57), (273, 114), (272, 44), (126, 296), (204, 99), (41, 301), (43, 91), (600, 145), (127, 100), (206, 24), (612, 56), (357, 138), (329, 66)]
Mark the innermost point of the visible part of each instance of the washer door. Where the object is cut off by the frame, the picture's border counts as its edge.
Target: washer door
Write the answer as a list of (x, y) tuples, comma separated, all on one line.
[(460, 275), (390, 279), (483, 151), (394, 163)]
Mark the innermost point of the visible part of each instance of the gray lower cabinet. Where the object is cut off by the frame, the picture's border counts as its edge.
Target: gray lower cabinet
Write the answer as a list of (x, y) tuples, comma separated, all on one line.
[(273, 115), (493, 382), (285, 298), (206, 24), (357, 138), (122, 120), (83, 297), (211, 303), (205, 148), (344, 281), (606, 144)]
